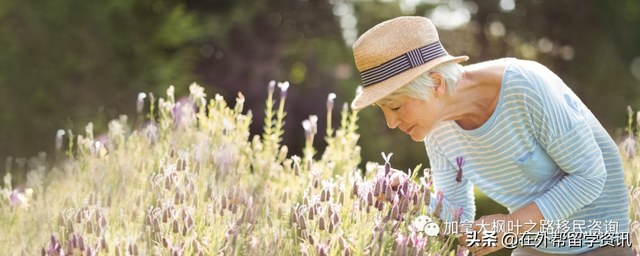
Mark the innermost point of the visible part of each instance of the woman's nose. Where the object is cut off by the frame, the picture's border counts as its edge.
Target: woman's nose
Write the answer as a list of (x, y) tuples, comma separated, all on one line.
[(392, 120)]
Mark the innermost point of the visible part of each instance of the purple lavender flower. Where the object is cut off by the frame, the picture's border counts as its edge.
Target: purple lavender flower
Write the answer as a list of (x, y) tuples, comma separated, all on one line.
[(457, 214), (378, 188), (272, 86), (460, 162), (387, 165)]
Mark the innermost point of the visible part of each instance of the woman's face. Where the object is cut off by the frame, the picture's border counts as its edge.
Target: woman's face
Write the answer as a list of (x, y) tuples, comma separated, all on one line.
[(413, 116)]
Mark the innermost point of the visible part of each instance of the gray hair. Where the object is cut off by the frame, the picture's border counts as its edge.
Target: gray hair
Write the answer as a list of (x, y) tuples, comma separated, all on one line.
[(420, 88)]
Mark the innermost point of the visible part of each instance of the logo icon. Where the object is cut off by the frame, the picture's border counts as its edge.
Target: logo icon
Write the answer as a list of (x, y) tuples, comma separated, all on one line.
[(424, 224)]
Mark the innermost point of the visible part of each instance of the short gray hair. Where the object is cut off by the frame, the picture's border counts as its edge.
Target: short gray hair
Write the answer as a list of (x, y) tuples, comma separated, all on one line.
[(419, 88)]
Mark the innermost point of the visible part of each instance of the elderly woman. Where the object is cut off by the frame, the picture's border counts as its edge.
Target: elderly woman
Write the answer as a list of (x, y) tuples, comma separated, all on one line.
[(526, 139)]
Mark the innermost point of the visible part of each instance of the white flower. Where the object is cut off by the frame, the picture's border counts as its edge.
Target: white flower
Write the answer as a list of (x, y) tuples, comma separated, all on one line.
[(140, 103), (59, 138), (283, 86), (170, 92), (330, 99), (89, 130), (306, 124)]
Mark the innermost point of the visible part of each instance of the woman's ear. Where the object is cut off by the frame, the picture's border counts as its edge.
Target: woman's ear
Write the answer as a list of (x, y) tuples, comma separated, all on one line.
[(440, 84)]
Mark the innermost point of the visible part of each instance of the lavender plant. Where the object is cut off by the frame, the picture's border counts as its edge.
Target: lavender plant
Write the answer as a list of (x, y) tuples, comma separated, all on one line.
[(193, 182)]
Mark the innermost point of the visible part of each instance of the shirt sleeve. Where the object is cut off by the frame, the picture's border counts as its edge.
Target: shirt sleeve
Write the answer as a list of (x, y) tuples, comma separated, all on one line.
[(444, 179), (567, 138)]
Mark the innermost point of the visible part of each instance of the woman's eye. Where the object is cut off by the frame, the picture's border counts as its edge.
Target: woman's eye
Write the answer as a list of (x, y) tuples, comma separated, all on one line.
[(394, 109)]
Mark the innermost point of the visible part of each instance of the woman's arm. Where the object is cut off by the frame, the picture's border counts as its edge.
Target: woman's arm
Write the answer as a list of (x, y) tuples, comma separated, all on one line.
[(456, 194), (566, 136)]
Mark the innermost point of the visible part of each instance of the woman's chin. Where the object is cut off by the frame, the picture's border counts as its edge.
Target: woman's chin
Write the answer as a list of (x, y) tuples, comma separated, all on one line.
[(417, 137)]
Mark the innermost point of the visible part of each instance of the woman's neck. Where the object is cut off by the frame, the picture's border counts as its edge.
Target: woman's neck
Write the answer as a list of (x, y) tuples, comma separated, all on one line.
[(476, 94)]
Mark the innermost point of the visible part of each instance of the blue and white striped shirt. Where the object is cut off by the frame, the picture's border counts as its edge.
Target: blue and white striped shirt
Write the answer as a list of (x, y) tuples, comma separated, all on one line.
[(541, 144)]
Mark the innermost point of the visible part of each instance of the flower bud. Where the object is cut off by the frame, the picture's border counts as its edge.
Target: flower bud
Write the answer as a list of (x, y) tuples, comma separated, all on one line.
[(321, 223), (103, 244), (223, 202), (296, 168), (389, 194), (285, 196), (80, 240), (70, 226), (184, 230), (272, 86), (69, 248), (395, 212), (309, 164), (427, 196), (387, 168), (140, 102), (354, 190), (189, 221), (156, 223), (323, 195), (165, 242), (284, 87), (303, 222), (89, 227), (283, 153), (341, 197), (330, 99), (177, 196), (438, 211), (378, 188), (311, 213), (176, 226), (59, 139), (404, 205)]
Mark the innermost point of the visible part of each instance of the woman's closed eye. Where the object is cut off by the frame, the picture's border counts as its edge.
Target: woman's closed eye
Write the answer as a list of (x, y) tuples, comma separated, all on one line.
[(396, 108)]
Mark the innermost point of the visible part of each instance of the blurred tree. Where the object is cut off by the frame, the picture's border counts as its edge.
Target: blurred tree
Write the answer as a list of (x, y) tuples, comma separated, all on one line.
[(65, 63)]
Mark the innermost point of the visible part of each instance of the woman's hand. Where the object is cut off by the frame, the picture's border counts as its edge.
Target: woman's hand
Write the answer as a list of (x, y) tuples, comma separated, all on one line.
[(479, 247), (396, 178), (528, 214)]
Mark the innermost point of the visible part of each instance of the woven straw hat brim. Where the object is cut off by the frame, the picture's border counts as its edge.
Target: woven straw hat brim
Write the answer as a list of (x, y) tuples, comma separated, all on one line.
[(375, 92)]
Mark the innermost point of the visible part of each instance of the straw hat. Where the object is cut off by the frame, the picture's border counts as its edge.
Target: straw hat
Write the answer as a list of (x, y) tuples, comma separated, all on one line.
[(394, 53)]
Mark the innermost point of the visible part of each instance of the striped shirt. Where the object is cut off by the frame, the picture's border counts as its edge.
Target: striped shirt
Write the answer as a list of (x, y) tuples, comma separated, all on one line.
[(542, 145)]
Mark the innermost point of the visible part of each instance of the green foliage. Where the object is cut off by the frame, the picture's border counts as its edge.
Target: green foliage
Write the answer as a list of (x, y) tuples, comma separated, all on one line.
[(61, 57)]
